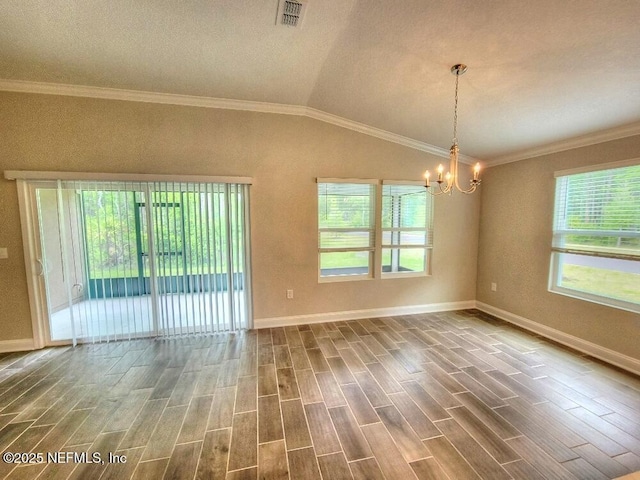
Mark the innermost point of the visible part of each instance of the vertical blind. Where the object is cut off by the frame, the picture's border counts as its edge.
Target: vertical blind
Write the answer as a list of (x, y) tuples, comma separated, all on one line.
[(146, 258)]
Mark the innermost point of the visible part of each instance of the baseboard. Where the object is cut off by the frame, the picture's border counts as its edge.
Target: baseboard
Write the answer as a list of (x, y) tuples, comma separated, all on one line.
[(359, 314), (610, 356), (19, 345)]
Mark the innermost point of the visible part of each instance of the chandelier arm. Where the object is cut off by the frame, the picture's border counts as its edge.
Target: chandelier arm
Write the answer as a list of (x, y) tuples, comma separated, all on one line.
[(441, 192), (472, 189)]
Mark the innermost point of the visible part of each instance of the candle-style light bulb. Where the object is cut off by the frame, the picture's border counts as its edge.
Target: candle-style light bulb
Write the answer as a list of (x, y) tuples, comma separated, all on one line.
[(476, 171), (448, 177), (427, 175), (440, 170)]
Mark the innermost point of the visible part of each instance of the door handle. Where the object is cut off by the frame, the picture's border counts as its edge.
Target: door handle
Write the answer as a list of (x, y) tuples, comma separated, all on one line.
[(41, 263)]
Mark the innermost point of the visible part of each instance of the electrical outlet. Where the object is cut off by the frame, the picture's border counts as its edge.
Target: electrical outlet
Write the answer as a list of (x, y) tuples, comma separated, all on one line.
[(4, 253), (494, 287), (289, 294)]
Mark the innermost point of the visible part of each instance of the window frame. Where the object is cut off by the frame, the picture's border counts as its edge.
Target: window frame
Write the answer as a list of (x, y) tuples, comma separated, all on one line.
[(372, 249), (555, 267), (376, 230), (427, 246)]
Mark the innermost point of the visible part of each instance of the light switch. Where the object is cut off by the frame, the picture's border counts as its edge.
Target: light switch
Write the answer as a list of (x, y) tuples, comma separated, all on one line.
[(4, 253)]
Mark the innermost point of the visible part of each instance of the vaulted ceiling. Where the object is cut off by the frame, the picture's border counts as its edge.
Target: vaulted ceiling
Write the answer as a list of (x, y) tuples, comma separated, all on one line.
[(540, 71)]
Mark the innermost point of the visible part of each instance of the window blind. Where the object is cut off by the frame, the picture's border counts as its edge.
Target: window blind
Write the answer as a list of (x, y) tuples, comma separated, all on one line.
[(407, 233), (598, 213), (346, 228), (596, 236)]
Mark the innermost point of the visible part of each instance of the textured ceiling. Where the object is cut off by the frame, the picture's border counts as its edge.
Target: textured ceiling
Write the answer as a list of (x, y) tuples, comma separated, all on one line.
[(539, 71)]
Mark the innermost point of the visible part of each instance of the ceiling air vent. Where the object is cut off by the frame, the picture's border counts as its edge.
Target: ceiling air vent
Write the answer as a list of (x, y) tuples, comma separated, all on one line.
[(290, 13)]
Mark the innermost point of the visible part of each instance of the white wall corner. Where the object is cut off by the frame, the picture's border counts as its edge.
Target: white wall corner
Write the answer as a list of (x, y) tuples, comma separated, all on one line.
[(605, 354), (272, 322), (19, 345)]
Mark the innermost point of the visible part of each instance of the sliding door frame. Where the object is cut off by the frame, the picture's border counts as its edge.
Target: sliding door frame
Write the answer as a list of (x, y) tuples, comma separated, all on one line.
[(28, 181)]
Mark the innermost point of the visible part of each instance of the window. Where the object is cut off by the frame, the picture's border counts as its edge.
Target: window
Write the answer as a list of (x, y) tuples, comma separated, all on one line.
[(346, 228), (353, 245), (596, 236), (406, 229)]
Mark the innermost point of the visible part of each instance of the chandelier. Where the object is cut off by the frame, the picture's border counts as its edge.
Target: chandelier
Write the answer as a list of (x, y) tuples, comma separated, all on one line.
[(450, 179)]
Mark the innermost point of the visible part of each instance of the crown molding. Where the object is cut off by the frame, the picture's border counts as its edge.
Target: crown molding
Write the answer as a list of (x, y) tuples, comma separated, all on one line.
[(105, 93), (147, 97), (602, 136)]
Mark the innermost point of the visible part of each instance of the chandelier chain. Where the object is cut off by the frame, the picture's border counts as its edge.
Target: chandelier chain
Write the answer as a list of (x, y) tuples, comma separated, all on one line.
[(455, 113)]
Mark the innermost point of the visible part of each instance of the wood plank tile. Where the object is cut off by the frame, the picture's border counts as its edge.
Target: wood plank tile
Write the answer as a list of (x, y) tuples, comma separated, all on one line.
[(214, 455), (115, 471), (428, 469), (367, 469), (165, 434), (321, 428), (303, 464), (282, 356), (265, 355), (334, 466), (534, 455), (580, 468), (384, 378), (454, 465), (127, 411), (299, 358), (522, 469), (489, 440), (389, 458), (184, 388), (207, 380), (330, 389), (193, 426), (309, 340), (221, 413), (539, 434), (406, 440), (426, 402), (327, 347), (359, 404), (623, 441), (471, 450), (353, 442), (243, 451), (308, 386), (421, 425), (600, 460), (183, 462), (363, 352), (317, 360), (287, 384), (267, 383), (246, 394), (139, 433), (295, 425), (270, 424), (61, 432), (228, 376), (488, 417), (272, 461), (371, 389), (104, 444), (152, 469)]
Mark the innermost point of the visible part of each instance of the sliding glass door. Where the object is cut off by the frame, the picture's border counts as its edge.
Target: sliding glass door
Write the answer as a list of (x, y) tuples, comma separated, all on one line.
[(137, 259)]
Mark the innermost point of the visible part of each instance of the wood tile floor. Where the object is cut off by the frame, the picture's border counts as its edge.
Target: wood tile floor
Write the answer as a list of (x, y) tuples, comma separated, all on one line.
[(451, 395)]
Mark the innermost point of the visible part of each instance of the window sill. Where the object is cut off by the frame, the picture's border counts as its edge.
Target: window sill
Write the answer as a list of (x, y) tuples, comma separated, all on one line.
[(589, 297)]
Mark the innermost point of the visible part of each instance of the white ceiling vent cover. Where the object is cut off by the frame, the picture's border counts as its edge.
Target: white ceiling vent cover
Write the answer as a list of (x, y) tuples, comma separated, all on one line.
[(290, 13)]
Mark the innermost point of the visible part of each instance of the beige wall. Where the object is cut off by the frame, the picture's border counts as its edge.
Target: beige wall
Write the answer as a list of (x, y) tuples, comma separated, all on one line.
[(284, 154), (515, 243)]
